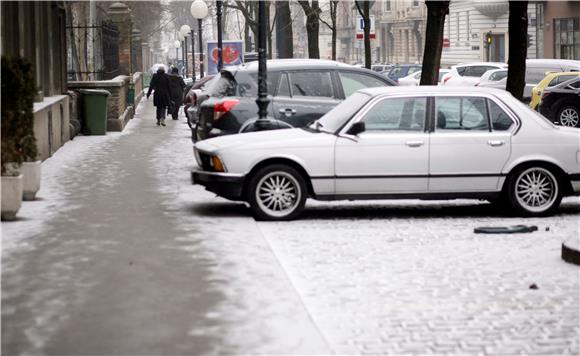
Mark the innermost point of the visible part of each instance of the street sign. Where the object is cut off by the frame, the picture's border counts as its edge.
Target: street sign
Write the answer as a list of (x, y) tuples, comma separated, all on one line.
[(446, 43), (360, 27)]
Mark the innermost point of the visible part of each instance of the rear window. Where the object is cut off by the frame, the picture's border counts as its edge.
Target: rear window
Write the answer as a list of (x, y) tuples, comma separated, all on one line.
[(222, 85), (247, 83)]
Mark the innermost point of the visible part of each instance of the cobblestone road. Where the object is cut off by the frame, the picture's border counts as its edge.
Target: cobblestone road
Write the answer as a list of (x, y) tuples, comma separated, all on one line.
[(412, 277)]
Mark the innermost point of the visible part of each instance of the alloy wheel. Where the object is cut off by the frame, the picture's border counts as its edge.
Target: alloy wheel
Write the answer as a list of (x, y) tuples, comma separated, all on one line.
[(569, 117), (278, 194), (536, 189)]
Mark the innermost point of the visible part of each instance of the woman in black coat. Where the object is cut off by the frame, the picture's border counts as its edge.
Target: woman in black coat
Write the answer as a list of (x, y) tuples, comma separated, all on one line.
[(176, 86), (161, 97)]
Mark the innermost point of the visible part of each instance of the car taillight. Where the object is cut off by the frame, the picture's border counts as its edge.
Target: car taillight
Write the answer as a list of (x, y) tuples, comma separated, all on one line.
[(194, 99), (220, 109), (446, 78), (545, 94)]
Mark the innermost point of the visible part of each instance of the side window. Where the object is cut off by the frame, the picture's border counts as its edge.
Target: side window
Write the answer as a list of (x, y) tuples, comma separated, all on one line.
[(413, 70), (352, 82), (461, 70), (477, 71), (311, 83), (462, 114), (395, 72), (498, 76), (499, 119), (401, 114), (561, 79), (284, 87)]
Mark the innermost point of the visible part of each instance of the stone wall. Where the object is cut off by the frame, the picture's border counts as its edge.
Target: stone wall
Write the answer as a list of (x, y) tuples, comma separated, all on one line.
[(51, 124), (138, 86)]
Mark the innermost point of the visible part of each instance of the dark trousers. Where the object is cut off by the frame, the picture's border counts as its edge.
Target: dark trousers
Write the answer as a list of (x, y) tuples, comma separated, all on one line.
[(161, 112), (174, 111)]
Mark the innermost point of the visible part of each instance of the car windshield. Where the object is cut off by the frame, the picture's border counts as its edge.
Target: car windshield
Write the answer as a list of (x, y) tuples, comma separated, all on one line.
[(339, 116)]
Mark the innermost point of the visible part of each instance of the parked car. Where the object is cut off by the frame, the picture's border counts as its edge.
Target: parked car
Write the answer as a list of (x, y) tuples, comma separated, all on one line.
[(190, 100), (422, 142), (549, 81), (494, 78), (380, 67), (415, 78), (402, 70), (468, 74), (561, 103), (537, 69), (301, 91)]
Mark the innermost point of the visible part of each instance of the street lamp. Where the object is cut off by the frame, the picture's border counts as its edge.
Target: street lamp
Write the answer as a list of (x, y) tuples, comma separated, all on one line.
[(199, 11), (262, 101), (184, 31), (176, 44), (220, 64)]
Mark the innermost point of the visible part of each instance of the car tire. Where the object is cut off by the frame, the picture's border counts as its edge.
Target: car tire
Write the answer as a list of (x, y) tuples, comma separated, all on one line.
[(277, 192), (534, 190), (569, 115)]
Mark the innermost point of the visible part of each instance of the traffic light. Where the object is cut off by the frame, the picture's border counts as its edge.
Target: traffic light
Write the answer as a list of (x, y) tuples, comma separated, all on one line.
[(530, 43), (488, 39)]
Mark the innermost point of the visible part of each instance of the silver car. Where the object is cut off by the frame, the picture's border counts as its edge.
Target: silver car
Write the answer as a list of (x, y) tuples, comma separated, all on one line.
[(403, 142)]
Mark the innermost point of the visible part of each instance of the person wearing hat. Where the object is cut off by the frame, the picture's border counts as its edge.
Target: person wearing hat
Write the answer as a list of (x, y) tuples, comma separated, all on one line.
[(161, 96)]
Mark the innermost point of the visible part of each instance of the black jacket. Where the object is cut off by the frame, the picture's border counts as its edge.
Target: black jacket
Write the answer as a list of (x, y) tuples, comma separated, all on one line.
[(176, 86), (160, 83)]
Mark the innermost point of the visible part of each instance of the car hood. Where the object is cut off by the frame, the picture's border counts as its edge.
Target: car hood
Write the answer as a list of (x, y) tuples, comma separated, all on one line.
[(265, 139)]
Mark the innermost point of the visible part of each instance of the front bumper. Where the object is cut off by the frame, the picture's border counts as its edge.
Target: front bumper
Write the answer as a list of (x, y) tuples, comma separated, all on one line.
[(229, 186)]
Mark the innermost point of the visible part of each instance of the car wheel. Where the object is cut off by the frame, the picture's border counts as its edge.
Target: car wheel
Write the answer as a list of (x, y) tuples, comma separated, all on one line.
[(277, 192), (534, 191), (569, 115)]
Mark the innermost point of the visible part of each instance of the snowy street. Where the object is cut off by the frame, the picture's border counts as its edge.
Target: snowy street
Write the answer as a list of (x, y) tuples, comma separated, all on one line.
[(120, 254)]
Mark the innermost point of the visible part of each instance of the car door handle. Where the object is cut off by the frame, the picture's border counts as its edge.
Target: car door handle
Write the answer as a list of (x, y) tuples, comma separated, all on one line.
[(414, 143), (287, 112), (495, 143)]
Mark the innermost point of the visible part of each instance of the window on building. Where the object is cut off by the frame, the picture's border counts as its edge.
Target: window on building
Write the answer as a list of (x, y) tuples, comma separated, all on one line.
[(415, 3), (388, 5), (567, 38)]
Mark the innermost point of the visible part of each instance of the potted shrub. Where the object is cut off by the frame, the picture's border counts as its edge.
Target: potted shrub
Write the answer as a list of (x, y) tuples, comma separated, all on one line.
[(18, 141)]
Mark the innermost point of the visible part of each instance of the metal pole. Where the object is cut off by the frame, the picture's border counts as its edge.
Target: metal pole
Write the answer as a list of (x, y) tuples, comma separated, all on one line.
[(176, 56), (200, 49), (192, 57), (262, 100), (220, 63), (184, 55)]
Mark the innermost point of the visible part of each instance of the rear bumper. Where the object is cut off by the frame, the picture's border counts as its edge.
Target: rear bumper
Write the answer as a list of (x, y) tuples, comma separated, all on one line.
[(229, 186)]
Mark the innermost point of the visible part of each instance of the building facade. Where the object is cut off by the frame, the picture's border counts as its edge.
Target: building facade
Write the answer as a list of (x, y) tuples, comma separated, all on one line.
[(559, 29)]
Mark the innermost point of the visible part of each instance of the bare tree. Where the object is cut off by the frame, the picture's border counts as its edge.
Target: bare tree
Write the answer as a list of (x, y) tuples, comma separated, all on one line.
[(363, 8), (249, 10), (436, 12), (312, 12), (518, 31), (284, 35), (332, 7)]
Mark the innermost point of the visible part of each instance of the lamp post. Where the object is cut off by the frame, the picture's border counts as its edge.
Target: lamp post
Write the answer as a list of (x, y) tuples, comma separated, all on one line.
[(177, 44), (199, 11), (262, 101), (220, 64), (184, 31)]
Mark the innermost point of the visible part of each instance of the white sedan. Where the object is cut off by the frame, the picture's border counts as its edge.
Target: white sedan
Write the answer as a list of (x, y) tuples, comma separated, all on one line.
[(415, 78), (420, 142)]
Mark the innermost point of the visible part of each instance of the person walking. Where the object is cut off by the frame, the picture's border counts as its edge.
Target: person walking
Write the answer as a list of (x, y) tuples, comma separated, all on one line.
[(161, 97), (176, 86)]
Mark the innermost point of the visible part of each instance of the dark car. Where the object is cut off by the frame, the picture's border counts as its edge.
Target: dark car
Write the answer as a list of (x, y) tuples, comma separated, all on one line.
[(190, 99), (561, 103), (300, 91), (402, 70)]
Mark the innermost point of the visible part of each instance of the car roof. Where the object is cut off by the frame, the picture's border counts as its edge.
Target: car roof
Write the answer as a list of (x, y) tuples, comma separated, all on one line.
[(296, 63), (428, 90), (470, 64)]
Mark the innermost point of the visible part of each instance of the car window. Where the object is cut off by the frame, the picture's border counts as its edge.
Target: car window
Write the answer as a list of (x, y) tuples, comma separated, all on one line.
[(222, 85), (406, 114), (575, 85), (500, 121), (395, 72), (561, 79), (460, 70), (311, 83), (247, 84), (413, 70), (498, 75), (284, 86), (477, 71), (336, 118), (352, 82), (461, 114)]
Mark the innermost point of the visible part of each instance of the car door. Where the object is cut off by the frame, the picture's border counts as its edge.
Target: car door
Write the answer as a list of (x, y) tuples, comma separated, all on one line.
[(391, 156), (467, 154), (304, 96)]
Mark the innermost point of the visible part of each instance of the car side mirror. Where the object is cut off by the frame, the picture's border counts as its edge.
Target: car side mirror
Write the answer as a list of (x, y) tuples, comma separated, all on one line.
[(356, 128)]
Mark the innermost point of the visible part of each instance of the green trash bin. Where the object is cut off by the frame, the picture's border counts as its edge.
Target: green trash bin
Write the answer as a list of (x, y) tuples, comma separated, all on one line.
[(94, 111)]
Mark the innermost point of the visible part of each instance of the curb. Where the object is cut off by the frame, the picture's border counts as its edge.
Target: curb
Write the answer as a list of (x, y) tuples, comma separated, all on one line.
[(571, 251)]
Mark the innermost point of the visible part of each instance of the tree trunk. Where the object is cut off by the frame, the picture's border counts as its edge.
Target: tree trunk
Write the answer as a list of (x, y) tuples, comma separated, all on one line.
[(284, 43), (312, 27), (334, 45), (268, 32), (436, 12), (363, 8), (518, 49), (247, 40)]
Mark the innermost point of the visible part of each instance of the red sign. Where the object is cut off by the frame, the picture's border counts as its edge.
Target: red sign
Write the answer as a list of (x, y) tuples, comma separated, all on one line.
[(360, 36), (446, 43)]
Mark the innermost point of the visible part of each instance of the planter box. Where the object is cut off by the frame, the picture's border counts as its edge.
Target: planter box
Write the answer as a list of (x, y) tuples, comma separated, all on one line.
[(11, 196), (30, 179)]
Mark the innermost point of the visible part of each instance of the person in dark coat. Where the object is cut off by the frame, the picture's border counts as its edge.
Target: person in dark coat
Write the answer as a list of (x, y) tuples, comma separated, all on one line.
[(176, 86), (161, 97)]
